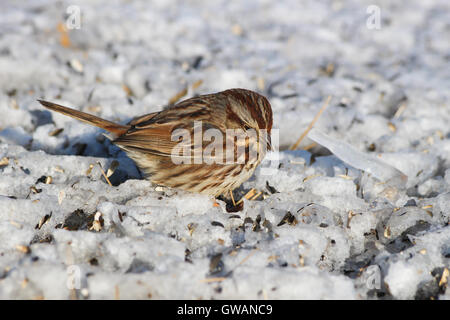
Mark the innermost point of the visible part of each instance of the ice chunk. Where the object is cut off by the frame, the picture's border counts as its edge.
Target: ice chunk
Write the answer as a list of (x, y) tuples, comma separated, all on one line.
[(136, 80), (15, 135), (112, 74), (360, 160), (410, 219), (417, 166), (403, 279), (328, 186)]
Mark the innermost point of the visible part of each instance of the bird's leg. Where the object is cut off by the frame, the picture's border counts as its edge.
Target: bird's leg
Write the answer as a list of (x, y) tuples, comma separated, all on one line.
[(232, 206), (232, 198)]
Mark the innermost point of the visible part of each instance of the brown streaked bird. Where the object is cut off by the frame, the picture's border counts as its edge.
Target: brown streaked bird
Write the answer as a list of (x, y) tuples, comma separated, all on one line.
[(148, 139)]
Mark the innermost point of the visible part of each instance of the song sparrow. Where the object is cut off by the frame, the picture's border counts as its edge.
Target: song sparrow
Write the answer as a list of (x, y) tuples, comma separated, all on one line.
[(149, 140)]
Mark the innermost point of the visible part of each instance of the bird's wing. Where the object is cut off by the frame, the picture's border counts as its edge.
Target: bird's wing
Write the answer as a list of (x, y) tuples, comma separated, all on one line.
[(159, 133)]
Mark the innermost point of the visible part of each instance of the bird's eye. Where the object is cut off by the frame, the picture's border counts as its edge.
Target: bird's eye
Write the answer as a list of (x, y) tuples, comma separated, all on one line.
[(246, 127)]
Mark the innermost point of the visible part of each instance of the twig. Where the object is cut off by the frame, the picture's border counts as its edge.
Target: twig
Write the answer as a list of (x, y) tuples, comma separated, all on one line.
[(247, 196), (248, 256), (232, 198), (399, 111), (116, 292), (178, 96), (310, 146), (324, 106), (218, 279), (256, 196), (104, 174)]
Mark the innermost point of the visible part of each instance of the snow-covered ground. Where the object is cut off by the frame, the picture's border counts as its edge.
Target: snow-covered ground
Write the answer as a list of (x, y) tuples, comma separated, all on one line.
[(323, 228)]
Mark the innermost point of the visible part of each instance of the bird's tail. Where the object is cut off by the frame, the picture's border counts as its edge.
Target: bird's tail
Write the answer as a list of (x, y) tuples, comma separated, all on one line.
[(109, 126)]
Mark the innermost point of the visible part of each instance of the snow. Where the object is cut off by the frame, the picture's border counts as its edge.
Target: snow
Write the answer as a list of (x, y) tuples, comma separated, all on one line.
[(364, 214)]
